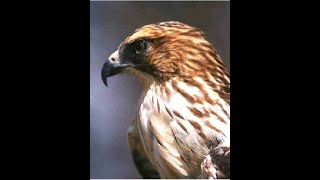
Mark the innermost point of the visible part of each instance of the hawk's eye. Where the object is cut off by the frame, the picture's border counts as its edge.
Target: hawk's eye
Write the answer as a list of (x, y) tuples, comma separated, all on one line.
[(140, 47)]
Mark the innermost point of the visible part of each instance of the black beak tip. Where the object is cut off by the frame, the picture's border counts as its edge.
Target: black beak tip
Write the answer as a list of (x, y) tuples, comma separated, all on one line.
[(105, 82), (109, 70), (104, 77)]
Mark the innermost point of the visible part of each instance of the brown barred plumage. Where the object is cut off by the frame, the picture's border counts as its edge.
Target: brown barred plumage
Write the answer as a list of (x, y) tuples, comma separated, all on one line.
[(183, 119)]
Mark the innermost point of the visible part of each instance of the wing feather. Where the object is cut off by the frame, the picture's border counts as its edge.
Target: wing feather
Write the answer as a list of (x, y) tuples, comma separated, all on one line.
[(139, 156)]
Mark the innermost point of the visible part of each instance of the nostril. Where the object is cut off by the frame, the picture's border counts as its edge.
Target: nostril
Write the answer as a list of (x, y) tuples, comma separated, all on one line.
[(112, 59)]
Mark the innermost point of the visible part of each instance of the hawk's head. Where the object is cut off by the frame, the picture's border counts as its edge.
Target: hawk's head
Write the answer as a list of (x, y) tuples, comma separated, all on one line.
[(166, 50)]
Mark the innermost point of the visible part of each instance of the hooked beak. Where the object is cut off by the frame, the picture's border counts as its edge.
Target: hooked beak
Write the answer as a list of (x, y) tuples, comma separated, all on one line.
[(111, 67)]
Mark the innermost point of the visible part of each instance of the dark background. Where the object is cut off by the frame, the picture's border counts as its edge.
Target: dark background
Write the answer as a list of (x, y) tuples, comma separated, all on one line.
[(112, 109)]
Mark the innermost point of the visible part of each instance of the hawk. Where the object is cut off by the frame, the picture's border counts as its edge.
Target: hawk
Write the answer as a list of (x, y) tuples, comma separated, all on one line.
[(182, 125)]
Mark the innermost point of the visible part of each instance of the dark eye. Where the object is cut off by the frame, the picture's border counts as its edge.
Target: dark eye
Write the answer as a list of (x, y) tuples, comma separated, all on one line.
[(140, 47)]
